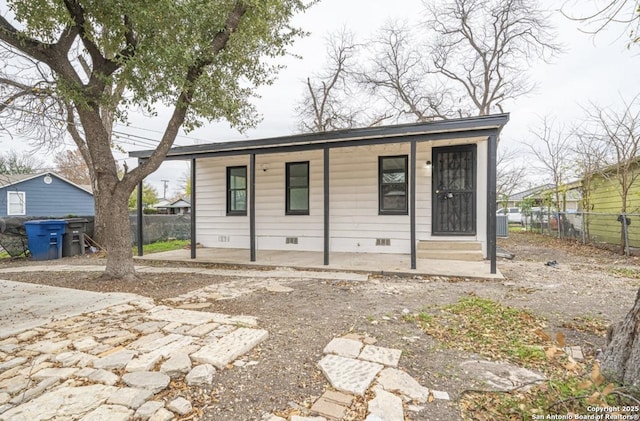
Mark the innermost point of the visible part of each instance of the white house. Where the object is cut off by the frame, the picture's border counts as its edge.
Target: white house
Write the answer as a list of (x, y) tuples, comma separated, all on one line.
[(392, 189)]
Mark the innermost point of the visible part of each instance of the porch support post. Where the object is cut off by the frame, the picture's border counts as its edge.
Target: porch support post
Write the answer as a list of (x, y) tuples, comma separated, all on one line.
[(139, 232), (252, 206), (412, 202), (326, 205), (491, 199), (193, 209)]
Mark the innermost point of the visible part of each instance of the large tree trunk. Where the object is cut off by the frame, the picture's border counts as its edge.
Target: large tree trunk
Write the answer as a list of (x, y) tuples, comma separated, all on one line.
[(111, 197), (621, 358), (113, 215)]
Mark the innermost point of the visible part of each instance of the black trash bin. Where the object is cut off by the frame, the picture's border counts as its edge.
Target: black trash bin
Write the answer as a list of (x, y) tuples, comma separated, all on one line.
[(73, 241)]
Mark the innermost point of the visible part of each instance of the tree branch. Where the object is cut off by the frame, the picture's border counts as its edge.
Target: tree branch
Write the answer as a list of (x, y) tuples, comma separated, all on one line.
[(218, 43), (36, 49)]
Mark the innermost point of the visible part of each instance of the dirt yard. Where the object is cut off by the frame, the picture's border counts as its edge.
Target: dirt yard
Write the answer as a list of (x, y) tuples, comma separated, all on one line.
[(592, 284)]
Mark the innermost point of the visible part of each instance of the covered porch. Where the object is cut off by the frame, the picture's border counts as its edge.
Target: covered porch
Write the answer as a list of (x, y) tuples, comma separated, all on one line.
[(376, 263), (353, 199)]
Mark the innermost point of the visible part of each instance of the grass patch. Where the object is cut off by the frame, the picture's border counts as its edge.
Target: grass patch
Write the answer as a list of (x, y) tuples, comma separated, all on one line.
[(487, 328), (164, 246), (4, 255), (504, 333), (626, 272), (587, 324)]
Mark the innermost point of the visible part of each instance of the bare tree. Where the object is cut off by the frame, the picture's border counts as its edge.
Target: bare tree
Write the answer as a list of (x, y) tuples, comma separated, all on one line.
[(619, 132), (552, 149), (484, 47), (13, 162), (324, 106), (331, 98), (398, 75), (72, 166), (510, 174), (624, 13)]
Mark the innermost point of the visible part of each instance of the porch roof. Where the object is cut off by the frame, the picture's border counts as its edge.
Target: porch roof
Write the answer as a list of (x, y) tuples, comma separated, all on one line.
[(434, 130)]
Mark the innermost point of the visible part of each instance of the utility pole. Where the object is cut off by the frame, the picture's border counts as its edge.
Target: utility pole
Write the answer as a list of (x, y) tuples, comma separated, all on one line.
[(164, 192)]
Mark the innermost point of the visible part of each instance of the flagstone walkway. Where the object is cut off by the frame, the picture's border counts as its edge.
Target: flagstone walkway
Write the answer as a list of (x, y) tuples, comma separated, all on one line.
[(130, 361)]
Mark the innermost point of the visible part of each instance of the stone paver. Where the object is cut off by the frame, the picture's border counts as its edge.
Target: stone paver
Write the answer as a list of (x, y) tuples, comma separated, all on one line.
[(150, 380), (338, 397), (575, 352), (103, 376), (201, 375), (394, 380), (228, 348), (13, 362), (344, 347), (348, 374), (60, 373), (386, 356), (328, 409), (109, 412), (162, 414), (148, 409), (144, 362), (130, 397), (500, 375), (385, 406), (176, 366), (71, 401), (180, 406), (71, 366), (117, 360), (438, 394)]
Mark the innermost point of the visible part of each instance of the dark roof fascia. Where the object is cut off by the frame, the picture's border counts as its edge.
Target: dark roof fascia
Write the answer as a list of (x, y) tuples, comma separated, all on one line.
[(445, 129)]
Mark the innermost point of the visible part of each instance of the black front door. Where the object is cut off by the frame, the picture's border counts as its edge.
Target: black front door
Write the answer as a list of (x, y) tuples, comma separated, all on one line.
[(454, 190)]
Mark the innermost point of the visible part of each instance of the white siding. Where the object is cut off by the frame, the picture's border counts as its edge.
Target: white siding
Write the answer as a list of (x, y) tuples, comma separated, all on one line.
[(213, 227), (355, 222), (272, 225)]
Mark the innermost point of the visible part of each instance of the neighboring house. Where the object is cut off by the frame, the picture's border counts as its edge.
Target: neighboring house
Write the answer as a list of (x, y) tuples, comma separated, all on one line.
[(605, 204), (570, 197), (515, 199), (390, 189), (180, 206), (43, 195)]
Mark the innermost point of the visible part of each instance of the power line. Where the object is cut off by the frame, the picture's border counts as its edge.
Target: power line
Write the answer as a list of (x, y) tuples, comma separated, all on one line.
[(151, 142), (158, 131)]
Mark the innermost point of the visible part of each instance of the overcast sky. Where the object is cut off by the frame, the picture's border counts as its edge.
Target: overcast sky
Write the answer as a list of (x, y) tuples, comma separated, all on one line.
[(599, 69)]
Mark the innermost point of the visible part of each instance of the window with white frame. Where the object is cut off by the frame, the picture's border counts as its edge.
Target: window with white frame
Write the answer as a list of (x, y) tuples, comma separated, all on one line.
[(16, 203)]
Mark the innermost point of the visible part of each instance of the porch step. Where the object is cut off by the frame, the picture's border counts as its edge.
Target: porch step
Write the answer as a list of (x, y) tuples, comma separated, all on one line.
[(470, 251)]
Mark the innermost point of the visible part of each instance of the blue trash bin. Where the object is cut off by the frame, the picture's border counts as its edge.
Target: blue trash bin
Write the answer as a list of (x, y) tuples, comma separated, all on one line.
[(44, 238)]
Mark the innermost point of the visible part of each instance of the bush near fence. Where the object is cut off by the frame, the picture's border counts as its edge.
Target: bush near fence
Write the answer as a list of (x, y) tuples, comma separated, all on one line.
[(602, 229), (161, 227)]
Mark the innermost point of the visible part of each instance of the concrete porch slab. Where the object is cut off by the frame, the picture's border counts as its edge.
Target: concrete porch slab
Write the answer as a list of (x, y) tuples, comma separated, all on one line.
[(305, 260)]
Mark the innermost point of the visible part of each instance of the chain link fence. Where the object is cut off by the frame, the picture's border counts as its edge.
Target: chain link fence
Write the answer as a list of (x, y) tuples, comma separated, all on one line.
[(161, 227), (614, 231)]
